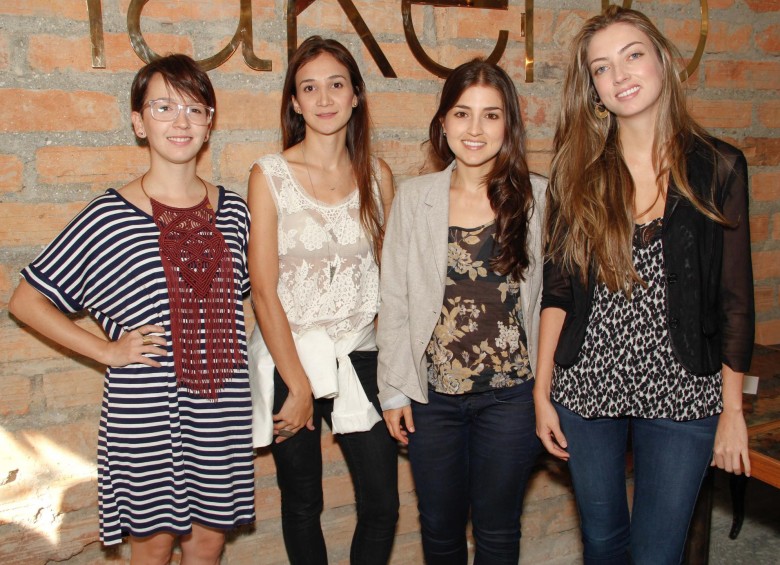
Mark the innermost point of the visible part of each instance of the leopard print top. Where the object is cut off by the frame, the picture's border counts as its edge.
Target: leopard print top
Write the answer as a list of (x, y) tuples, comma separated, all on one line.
[(626, 366)]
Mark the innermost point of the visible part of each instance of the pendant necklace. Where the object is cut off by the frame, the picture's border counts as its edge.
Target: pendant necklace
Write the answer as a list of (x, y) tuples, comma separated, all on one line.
[(331, 262)]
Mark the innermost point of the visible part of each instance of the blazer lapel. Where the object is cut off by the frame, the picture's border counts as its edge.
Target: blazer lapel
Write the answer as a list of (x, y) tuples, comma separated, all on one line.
[(437, 215), (529, 286)]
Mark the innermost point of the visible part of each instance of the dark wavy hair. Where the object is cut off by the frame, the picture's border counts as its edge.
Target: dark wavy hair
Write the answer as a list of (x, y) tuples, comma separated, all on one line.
[(181, 73), (358, 127), (509, 183)]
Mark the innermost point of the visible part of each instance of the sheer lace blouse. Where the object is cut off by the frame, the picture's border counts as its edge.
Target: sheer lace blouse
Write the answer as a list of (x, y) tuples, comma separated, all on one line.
[(328, 276)]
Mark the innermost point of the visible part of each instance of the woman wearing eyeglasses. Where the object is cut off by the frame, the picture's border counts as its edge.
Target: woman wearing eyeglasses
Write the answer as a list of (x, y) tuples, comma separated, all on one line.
[(161, 265)]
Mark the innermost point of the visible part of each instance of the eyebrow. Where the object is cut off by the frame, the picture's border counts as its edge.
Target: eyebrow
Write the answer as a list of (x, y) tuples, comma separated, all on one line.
[(183, 98), (623, 50), (331, 77), (469, 107)]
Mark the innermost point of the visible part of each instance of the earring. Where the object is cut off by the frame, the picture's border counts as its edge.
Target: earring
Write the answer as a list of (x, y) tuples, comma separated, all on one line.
[(141, 134), (298, 111), (444, 133), (601, 110), (354, 104)]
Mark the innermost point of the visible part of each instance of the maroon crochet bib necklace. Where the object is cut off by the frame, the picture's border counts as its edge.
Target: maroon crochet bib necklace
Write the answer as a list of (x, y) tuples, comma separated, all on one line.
[(198, 268)]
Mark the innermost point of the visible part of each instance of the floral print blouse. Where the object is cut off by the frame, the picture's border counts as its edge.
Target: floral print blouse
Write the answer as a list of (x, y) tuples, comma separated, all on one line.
[(479, 343)]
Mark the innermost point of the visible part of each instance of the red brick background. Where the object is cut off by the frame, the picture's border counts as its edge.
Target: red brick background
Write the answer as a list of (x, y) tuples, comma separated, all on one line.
[(65, 136)]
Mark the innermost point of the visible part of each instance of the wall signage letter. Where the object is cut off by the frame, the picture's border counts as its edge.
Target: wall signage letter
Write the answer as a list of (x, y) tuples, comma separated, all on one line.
[(417, 49), (243, 35), (296, 7)]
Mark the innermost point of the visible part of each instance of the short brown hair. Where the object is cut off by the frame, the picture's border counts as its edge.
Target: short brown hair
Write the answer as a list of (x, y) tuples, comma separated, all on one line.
[(181, 73)]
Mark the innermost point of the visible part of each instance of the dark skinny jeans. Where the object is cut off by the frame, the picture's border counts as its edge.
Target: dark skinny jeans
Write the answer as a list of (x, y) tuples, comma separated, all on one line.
[(473, 454), (372, 459)]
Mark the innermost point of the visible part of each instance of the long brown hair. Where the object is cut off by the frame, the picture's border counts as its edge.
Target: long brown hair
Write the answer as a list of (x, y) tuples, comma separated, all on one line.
[(590, 209), (508, 183), (358, 128)]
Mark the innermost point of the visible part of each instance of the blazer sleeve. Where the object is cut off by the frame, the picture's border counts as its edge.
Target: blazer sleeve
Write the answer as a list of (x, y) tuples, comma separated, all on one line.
[(556, 289), (737, 310), (393, 326)]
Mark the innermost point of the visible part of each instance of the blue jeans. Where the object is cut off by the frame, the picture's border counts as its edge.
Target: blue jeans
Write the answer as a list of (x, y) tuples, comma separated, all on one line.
[(480, 445), (670, 461), (372, 459)]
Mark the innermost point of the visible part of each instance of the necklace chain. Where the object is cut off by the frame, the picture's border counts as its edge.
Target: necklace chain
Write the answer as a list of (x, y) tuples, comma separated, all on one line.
[(308, 173), (143, 189), (331, 262)]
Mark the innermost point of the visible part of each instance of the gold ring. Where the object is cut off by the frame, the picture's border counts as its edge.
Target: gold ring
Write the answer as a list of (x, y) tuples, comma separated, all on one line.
[(146, 339), (284, 432)]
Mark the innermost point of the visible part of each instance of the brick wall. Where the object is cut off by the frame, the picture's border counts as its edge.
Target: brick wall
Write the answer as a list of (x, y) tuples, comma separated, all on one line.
[(65, 136)]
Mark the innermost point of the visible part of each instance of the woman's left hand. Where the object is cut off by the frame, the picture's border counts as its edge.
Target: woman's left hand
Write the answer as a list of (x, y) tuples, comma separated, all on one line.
[(731, 443), (296, 412)]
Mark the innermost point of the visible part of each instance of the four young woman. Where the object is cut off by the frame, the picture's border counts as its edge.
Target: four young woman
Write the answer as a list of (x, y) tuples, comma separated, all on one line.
[(645, 332)]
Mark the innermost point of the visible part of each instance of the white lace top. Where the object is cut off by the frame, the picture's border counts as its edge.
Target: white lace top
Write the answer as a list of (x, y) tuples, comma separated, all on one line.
[(327, 273)]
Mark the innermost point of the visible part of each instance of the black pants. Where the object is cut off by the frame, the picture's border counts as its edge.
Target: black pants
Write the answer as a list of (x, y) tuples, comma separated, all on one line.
[(372, 458)]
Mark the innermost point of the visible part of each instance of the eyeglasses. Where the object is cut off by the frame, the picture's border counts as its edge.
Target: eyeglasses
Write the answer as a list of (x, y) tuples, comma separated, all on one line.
[(164, 110)]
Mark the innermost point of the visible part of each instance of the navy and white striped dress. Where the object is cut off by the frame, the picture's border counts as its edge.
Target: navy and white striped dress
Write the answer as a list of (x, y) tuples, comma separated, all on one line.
[(166, 458)]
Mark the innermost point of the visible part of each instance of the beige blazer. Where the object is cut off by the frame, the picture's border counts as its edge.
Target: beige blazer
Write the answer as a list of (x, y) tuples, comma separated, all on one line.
[(414, 270)]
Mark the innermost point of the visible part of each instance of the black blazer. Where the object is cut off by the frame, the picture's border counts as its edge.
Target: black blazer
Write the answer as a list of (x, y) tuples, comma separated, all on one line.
[(709, 274)]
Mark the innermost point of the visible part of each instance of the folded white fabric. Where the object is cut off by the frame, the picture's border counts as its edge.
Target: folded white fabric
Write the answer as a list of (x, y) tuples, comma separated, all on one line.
[(261, 385), (352, 411), (331, 375)]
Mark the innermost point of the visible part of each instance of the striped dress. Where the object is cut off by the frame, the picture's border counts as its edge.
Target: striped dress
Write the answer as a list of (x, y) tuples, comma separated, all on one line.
[(166, 458)]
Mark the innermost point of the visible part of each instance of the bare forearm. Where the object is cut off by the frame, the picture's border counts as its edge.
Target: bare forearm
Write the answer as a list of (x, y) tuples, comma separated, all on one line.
[(277, 335), (548, 426), (730, 451), (35, 310)]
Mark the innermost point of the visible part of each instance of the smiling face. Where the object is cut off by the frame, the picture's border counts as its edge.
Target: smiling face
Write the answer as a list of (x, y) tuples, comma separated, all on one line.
[(626, 71), (324, 94), (178, 141), (475, 127)]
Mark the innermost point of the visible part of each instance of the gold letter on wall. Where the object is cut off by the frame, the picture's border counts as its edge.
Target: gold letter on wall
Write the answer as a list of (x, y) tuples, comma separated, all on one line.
[(296, 7), (95, 11), (703, 30), (416, 47), (243, 36)]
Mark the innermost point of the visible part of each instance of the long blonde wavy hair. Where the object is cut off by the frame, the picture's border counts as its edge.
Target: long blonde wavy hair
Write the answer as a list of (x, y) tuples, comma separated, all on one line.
[(590, 211)]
